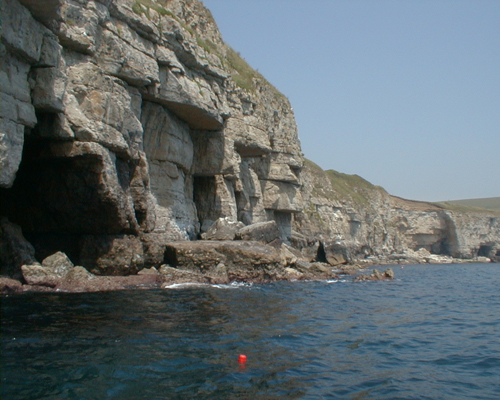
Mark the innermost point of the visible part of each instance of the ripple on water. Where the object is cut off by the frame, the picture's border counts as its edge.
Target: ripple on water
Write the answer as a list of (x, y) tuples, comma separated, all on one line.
[(431, 334)]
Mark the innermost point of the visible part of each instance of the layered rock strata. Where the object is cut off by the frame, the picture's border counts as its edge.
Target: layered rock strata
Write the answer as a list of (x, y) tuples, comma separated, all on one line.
[(350, 219), (129, 125)]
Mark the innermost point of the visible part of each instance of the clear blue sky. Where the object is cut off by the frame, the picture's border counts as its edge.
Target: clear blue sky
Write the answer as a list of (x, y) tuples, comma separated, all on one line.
[(405, 93)]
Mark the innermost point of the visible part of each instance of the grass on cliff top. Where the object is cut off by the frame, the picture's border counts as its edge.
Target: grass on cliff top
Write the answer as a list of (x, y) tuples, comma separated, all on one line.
[(463, 208), (244, 74), (142, 7), (492, 203), (241, 72), (346, 188), (352, 186)]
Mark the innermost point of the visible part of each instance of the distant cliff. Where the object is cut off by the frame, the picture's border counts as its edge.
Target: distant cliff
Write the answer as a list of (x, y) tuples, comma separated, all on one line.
[(360, 220), (128, 124)]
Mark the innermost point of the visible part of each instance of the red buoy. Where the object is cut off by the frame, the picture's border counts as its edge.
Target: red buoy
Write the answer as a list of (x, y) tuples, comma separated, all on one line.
[(242, 359)]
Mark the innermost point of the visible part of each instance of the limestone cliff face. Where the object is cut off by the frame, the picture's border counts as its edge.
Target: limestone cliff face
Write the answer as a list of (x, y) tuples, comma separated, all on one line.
[(128, 122), (359, 220)]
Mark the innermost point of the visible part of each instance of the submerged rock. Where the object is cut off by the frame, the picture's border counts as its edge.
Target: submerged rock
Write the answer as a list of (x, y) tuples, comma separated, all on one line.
[(376, 275)]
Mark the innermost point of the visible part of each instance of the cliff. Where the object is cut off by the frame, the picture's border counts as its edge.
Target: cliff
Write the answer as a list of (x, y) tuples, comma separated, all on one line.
[(357, 220), (127, 125)]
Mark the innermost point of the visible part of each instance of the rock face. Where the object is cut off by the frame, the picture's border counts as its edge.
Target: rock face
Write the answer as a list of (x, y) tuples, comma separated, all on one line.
[(123, 119), (352, 220), (130, 124)]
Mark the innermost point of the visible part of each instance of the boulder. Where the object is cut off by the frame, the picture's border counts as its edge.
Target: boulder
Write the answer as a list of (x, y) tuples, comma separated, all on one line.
[(59, 263), (335, 253), (293, 274), (289, 256), (320, 267), (174, 275), (78, 274), (262, 231), (9, 285), (35, 274), (15, 250), (148, 271), (243, 260), (112, 254), (54, 270), (219, 274), (223, 229), (376, 275)]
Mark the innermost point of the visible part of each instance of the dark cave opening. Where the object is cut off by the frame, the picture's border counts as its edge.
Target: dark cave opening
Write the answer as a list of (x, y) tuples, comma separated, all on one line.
[(28, 202), (205, 199), (443, 248), (486, 251), (57, 199), (321, 253)]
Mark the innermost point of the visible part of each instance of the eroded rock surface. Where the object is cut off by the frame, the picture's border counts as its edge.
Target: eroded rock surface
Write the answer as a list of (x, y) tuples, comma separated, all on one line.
[(128, 125), (132, 118), (347, 219)]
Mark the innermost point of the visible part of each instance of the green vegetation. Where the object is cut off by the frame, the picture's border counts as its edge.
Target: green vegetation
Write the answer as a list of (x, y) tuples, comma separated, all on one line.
[(244, 73), (143, 6), (351, 188), (241, 72), (208, 45), (463, 208), (358, 191), (492, 203)]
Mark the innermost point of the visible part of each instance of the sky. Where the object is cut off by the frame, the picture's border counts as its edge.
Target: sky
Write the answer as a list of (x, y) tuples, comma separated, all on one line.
[(404, 93)]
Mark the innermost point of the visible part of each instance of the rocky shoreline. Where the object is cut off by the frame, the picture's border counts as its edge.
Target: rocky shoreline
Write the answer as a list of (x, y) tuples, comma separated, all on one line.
[(129, 130), (204, 262), (201, 262), (229, 252)]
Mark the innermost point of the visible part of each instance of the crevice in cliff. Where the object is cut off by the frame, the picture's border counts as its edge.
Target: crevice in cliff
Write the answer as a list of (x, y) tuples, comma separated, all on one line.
[(449, 246), (205, 199), (321, 253), (284, 222)]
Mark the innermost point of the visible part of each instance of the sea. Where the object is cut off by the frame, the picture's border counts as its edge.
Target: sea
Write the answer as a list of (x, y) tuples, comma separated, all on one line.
[(432, 333)]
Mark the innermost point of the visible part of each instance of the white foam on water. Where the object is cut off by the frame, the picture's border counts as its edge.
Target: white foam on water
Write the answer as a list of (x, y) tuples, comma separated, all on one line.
[(232, 285), (337, 281), (185, 285)]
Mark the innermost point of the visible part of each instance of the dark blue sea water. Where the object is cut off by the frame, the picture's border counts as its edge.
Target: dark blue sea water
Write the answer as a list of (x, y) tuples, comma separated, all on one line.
[(433, 333)]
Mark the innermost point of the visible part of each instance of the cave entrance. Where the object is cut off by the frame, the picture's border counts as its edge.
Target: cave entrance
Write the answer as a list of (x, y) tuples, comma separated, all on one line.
[(321, 253), (486, 251), (57, 198), (40, 198), (442, 248), (284, 222), (205, 199)]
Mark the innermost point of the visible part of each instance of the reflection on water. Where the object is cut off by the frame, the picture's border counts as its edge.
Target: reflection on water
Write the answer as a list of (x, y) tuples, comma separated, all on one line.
[(432, 333)]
